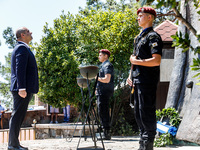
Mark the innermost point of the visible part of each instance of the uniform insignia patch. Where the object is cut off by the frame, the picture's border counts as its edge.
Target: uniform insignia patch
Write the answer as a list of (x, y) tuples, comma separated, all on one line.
[(155, 44)]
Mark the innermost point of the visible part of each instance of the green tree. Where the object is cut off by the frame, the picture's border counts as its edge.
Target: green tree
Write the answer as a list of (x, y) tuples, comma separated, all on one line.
[(57, 64), (111, 5), (5, 69)]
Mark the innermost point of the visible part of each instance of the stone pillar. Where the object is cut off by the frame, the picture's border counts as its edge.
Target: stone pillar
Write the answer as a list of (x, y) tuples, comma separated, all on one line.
[(38, 102)]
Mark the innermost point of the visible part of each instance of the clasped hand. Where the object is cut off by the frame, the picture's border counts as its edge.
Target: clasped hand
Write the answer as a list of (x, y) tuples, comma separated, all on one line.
[(130, 82), (133, 59), (22, 93)]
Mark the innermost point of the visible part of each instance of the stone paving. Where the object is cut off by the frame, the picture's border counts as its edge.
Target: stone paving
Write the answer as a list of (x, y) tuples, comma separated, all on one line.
[(116, 143)]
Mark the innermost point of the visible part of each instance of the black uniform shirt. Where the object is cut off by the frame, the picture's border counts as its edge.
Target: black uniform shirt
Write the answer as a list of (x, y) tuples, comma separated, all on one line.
[(147, 43), (106, 88)]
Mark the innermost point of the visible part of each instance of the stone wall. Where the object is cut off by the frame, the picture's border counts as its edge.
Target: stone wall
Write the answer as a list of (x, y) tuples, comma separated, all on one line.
[(41, 116), (64, 130)]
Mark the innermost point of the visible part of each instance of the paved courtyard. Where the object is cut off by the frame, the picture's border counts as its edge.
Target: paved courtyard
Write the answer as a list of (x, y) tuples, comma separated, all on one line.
[(116, 143)]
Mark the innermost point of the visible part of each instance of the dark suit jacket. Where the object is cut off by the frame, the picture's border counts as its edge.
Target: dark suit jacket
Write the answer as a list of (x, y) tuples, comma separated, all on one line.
[(24, 72)]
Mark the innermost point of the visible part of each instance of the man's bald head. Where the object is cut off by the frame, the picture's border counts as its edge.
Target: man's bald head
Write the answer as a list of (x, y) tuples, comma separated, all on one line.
[(20, 31), (23, 34)]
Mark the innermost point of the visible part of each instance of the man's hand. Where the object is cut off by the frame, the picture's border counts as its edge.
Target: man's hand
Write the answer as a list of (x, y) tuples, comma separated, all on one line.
[(133, 59), (22, 93), (129, 81)]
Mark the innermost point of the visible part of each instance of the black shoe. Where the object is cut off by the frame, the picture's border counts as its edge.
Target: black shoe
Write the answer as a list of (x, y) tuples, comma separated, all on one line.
[(141, 142), (107, 138), (148, 145), (13, 148), (23, 148), (17, 148), (107, 135)]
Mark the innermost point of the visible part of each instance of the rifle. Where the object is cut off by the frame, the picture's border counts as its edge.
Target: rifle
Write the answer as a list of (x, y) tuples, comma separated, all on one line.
[(134, 73), (132, 89)]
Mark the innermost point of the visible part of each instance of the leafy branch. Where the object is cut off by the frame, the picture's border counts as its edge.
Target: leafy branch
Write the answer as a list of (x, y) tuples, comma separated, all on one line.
[(165, 139), (181, 42), (184, 21)]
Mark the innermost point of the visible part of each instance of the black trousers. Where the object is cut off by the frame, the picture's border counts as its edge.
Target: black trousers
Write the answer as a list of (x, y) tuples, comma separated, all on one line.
[(20, 106), (103, 110), (145, 110)]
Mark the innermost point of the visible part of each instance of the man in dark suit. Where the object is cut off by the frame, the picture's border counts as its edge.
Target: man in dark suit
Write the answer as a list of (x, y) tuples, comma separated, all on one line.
[(24, 83)]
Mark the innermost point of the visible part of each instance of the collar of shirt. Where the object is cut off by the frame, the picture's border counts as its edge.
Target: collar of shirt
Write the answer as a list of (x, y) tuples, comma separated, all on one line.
[(146, 30), (104, 62), (24, 43)]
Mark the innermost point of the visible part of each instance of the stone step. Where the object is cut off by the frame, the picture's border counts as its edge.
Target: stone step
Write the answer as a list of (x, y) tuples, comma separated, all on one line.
[(62, 130)]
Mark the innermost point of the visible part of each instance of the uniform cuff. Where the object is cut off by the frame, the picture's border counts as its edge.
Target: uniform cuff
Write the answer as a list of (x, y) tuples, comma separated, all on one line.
[(22, 89)]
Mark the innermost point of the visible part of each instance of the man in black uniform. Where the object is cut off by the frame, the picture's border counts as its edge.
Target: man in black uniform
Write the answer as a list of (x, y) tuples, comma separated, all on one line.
[(146, 59), (105, 89)]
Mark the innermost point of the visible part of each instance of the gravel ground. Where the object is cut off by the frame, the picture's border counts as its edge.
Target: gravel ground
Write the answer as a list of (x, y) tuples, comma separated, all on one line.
[(116, 143)]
